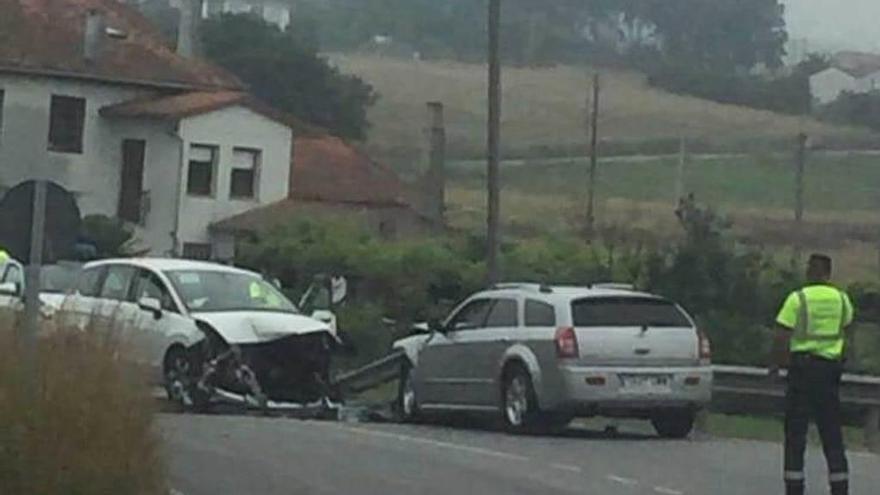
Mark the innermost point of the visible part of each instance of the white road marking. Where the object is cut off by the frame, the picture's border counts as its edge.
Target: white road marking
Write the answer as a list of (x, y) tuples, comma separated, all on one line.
[(174, 492), (436, 443), (622, 480), (566, 467), (667, 491)]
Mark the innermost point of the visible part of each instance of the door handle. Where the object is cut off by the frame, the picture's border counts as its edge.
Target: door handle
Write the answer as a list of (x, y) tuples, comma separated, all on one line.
[(642, 352)]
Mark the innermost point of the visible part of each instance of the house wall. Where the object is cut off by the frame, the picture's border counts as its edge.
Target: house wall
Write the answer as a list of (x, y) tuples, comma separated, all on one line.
[(871, 82), (227, 129), (272, 11), (827, 85), (94, 175)]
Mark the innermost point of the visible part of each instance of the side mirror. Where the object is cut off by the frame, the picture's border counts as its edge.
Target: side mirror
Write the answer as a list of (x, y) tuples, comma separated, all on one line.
[(325, 316), (10, 289), (152, 305)]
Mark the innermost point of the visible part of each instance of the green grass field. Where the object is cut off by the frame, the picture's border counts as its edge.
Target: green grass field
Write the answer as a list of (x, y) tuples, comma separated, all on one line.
[(833, 183), (842, 198)]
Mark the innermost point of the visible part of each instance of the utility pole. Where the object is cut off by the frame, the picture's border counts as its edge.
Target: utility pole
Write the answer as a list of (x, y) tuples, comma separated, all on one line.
[(32, 272), (494, 144), (800, 163), (594, 156), (435, 183)]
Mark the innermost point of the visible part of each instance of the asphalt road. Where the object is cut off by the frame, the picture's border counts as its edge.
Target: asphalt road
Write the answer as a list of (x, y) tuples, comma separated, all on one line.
[(215, 455)]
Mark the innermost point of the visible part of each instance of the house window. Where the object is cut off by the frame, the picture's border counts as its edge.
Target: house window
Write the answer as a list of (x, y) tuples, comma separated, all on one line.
[(66, 123), (200, 175), (197, 251), (245, 165)]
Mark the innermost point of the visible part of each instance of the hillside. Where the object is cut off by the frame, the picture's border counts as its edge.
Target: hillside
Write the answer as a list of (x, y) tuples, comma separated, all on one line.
[(546, 108)]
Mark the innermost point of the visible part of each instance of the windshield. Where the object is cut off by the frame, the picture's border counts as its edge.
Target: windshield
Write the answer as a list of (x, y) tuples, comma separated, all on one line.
[(627, 312), (211, 291)]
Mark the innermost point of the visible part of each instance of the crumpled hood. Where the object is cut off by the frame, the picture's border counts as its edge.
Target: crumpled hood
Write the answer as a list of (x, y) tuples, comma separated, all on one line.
[(253, 327)]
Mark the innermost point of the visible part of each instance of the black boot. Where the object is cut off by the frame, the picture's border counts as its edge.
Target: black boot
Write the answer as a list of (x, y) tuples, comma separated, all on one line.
[(795, 487), (840, 488)]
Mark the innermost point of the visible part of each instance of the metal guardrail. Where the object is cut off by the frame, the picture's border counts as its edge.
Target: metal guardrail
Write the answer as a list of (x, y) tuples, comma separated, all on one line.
[(372, 375), (742, 389)]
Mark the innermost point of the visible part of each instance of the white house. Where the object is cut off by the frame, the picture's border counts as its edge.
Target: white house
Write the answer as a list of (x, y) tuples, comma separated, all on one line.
[(277, 12), (91, 99), (849, 72)]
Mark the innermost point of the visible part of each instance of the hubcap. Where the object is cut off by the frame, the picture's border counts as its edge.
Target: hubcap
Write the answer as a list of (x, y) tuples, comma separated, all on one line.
[(516, 401), (174, 378)]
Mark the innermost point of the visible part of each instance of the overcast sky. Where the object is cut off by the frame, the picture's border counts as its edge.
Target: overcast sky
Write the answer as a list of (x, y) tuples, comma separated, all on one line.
[(835, 24)]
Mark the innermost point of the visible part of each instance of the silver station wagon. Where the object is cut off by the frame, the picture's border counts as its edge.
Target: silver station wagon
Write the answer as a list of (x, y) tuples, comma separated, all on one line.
[(539, 356)]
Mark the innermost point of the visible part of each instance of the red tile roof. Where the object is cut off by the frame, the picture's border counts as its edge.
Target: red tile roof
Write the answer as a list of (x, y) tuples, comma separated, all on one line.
[(176, 106), (46, 37), (179, 106), (326, 168), (856, 64)]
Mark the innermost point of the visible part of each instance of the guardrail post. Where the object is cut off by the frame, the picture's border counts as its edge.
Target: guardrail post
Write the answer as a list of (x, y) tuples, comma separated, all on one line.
[(872, 428)]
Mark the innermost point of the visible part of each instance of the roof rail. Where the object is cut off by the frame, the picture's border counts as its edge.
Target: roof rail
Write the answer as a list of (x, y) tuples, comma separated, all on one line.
[(544, 288), (613, 286)]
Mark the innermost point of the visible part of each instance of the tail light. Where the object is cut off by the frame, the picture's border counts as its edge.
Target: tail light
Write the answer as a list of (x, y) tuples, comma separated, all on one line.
[(566, 343), (705, 347)]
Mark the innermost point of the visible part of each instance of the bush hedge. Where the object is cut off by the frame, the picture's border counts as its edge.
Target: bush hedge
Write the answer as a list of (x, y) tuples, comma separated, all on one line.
[(734, 292)]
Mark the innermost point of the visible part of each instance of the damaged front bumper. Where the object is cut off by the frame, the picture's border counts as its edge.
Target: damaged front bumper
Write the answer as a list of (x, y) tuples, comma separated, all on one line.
[(288, 374)]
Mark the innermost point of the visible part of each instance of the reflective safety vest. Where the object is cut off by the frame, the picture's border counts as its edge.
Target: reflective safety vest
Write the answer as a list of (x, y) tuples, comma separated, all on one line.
[(4, 256), (258, 293), (818, 316)]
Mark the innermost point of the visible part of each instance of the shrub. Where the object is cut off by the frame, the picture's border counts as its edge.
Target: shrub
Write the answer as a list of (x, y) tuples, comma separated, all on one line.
[(78, 420)]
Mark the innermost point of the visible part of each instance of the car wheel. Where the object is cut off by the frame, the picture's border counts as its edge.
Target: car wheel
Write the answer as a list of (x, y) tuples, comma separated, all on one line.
[(178, 382), (519, 402), (406, 407), (674, 424)]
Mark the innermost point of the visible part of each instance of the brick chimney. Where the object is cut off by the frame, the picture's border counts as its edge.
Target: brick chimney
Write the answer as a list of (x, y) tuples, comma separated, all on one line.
[(93, 35), (188, 28)]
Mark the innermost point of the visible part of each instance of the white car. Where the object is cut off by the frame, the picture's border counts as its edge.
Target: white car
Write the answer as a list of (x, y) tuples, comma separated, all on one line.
[(539, 356), (208, 330), (55, 282)]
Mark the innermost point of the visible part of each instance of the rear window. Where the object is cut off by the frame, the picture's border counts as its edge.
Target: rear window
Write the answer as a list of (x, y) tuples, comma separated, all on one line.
[(627, 312), (540, 314)]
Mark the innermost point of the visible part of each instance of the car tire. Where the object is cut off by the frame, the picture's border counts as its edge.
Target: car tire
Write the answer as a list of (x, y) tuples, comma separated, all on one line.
[(178, 382), (519, 403), (676, 424), (406, 407)]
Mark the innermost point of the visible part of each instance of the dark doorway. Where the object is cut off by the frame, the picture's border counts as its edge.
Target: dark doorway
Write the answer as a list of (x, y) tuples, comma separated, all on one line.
[(132, 184)]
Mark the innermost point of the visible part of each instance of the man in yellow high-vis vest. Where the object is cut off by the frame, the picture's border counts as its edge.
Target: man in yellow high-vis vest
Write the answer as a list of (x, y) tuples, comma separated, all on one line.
[(812, 336)]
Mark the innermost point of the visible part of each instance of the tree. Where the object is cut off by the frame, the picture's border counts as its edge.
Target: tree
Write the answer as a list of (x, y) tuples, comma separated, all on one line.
[(109, 236), (717, 35), (284, 69), (861, 109)]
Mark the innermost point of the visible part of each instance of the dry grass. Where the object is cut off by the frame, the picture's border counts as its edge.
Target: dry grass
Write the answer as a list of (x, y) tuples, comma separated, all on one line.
[(77, 419), (546, 107)]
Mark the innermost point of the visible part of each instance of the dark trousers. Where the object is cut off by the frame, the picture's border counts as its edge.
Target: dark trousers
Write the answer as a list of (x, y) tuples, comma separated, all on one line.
[(814, 392)]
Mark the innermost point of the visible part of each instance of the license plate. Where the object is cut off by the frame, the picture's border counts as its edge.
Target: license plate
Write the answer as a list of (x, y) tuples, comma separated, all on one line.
[(646, 384)]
